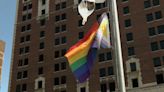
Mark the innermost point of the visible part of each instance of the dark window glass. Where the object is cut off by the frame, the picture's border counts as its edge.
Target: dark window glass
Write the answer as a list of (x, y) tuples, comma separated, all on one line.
[(63, 40), (57, 18), (28, 38), (81, 35), (124, 0), (129, 36), (57, 29), (158, 15), (21, 50), (103, 88), (24, 8), (110, 71), (127, 23), (160, 29), (27, 48), (30, 6), (57, 6), (56, 54), (43, 2), (157, 61), (57, 41), (25, 74), (133, 67), (42, 22), (42, 33), (126, 10), (80, 23), (82, 89), (156, 2), (23, 29), (102, 72), (131, 51), (63, 5), (109, 56), (112, 86), (20, 62), (63, 51), (101, 57), (41, 57), (162, 44), (98, 6), (63, 28), (63, 80), (147, 4), (41, 46), (149, 17), (135, 83), (40, 84), (159, 78), (56, 81), (29, 27), (24, 87), (24, 18), (18, 88), (56, 67), (40, 70), (63, 65), (19, 75), (154, 46), (152, 31), (26, 61), (29, 16), (22, 39), (63, 16), (43, 12)]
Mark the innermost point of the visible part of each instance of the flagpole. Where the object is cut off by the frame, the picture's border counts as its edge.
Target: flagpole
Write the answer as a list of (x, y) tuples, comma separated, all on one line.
[(117, 46)]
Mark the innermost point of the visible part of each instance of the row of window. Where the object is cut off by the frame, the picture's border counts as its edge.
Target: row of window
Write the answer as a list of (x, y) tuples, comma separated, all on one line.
[(27, 6), (61, 28), (60, 80), (24, 50), (25, 38), (106, 71), (26, 17), (60, 6), (26, 28), (23, 62), (105, 56), (156, 30), (157, 45), (59, 66), (22, 74), (21, 88), (61, 40), (59, 53), (151, 3), (111, 87), (154, 16), (60, 17), (157, 61)]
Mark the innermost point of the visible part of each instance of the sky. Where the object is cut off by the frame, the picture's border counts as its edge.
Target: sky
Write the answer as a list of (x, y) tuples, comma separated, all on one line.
[(7, 20)]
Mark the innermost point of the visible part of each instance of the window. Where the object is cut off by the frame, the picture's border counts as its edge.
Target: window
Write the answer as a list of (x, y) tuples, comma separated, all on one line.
[(110, 71), (57, 29), (109, 56), (63, 5), (147, 4), (103, 87), (56, 67), (126, 10), (42, 34), (27, 48), (63, 80), (63, 40), (80, 23), (56, 81), (102, 72), (41, 46), (23, 29), (57, 41), (29, 27), (158, 15), (40, 70), (127, 23), (112, 86), (24, 8), (24, 87), (154, 46), (57, 18), (56, 54), (159, 78), (162, 44), (18, 88), (149, 17), (129, 36), (157, 61), (101, 57), (41, 57), (63, 51), (155, 2), (42, 22), (82, 89), (43, 11), (81, 35), (24, 74), (40, 84), (124, 0), (30, 6), (135, 83), (57, 6), (63, 28), (43, 2), (131, 51), (19, 75), (23, 17), (28, 38), (133, 67), (29, 16), (63, 16), (20, 62), (63, 65), (152, 31), (160, 29), (26, 61), (21, 39)]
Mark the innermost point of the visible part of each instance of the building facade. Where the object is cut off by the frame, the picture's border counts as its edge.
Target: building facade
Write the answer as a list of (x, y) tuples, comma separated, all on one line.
[(2, 49), (46, 29)]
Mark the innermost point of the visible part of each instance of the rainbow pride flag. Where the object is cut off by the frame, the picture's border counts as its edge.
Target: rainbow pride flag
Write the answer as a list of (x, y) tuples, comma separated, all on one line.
[(82, 55)]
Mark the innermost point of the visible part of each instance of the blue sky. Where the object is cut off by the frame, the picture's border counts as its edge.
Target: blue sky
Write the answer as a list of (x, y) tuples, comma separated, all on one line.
[(7, 20)]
